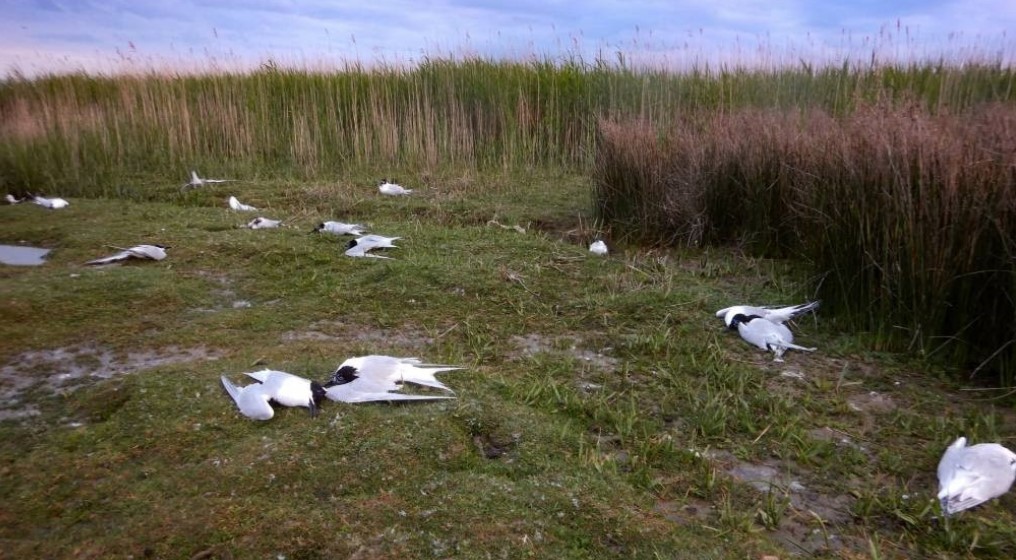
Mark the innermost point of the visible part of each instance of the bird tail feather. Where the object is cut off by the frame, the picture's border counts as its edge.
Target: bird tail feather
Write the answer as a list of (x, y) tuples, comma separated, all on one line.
[(232, 389)]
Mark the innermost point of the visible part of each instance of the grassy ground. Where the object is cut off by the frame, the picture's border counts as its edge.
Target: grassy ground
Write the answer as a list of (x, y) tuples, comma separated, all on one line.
[(603, 411)]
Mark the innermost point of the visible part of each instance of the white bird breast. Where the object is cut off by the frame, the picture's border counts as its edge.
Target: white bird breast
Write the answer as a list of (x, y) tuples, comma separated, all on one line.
[(263, 223)]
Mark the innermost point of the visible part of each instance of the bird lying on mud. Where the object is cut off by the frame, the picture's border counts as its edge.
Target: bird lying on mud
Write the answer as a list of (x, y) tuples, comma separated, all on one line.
[(149, 252), (263, 223), (375, 378), (338, 228), (388, 188), (771, 313), (970, 476), (239, 206), (361, 246), (196, 181), (278, 387), (51, 203), (766, 335)]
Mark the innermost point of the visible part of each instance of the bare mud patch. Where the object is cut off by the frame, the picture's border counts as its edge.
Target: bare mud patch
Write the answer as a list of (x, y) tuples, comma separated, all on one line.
[(533, 344), (691, 512), (223, 291), (871, 402), (809, 525), (62, 370), (324, 331)]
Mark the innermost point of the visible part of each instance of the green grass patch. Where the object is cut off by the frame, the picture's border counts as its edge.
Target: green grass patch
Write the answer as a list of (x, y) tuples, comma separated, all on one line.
[(602, 412)]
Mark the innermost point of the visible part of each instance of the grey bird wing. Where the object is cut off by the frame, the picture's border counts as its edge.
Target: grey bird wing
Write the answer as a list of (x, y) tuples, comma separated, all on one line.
[(121, 256), (232, 389), (358, 397)]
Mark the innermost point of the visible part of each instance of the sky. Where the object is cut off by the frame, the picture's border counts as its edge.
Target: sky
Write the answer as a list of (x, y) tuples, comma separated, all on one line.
[(111, 36)]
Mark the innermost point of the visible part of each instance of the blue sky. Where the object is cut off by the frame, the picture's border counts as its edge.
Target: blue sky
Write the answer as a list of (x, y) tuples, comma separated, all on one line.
[(40, 36)]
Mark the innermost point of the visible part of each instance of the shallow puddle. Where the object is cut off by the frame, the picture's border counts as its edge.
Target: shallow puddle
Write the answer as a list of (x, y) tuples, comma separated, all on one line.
[(17, 255)]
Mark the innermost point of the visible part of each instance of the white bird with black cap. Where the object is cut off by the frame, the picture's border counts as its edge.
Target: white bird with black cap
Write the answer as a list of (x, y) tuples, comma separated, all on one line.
[(377, 378), (338, 228), (773, 313), (766, 335), (362, 246)]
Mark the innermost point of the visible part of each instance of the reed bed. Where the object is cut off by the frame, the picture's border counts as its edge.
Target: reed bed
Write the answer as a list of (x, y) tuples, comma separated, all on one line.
[(905, 213), (83, 135)]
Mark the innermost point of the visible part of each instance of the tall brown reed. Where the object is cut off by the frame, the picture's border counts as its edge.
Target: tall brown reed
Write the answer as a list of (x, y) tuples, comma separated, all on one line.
[(906, 216), (83, 135)]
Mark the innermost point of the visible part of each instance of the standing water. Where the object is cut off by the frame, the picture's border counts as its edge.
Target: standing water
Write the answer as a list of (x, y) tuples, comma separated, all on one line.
[(22, 256)]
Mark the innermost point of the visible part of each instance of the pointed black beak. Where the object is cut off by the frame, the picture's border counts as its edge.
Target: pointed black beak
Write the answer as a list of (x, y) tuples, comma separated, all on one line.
[(341, 376)]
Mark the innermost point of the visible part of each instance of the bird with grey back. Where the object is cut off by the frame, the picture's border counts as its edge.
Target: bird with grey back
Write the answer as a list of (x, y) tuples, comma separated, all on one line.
[(141, 252), (389, 188), (238, 206), (363, 246), (766, 335), (338, 228), (196, 181), (50, 203), (263, 223), (775, 314), (382, 378), (970, 476)]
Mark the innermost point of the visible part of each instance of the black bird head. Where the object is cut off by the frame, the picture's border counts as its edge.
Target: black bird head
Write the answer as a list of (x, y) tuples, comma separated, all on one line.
[(317, 394), (341, 376), (351, 244)]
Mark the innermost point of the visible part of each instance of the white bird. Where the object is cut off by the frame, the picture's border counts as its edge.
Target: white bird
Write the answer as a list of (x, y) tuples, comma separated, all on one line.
[(766, 335), (770, 313), (386, 187), (51, 203), (287, 389), (255, 400), (339, 228), (11, 200), (263, 223), (239, 206), (196, 181), (598, 247), (252, 400), (970, 476), (374, 378), (150, 252), (361, 246)]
